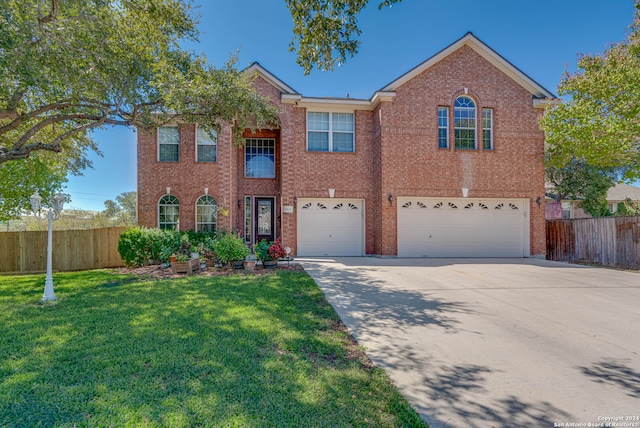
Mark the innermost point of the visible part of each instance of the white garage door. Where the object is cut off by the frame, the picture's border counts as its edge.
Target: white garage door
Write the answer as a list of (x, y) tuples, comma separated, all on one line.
[(437, 227), (330, 227)]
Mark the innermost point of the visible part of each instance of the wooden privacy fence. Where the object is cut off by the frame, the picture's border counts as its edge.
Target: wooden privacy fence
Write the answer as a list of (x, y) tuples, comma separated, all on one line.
[(606, 241), (72, 250)]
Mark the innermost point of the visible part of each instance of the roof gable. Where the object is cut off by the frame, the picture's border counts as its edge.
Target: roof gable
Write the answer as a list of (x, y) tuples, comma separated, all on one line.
[(271, 78), (484, 51)]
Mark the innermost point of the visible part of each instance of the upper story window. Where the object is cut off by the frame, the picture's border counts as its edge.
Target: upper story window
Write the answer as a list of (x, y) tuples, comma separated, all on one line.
[(443, 127), (206, 144), (206, 214), (168, 212), (330, 132), (464, 123), (487, 129), (168, 144), (260, 158)]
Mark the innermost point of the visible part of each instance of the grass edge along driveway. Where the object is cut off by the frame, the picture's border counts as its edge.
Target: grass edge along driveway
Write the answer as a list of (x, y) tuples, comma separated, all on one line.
[(217, 351)]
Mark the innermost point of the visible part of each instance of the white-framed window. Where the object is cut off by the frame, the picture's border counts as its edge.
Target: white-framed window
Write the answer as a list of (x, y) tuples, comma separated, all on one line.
[(464, 123), (206, 144), (260, 158), (330, 132), (206, 214), (443, 127), (248, 227), (168, 212), (168, 144), (487, 128)]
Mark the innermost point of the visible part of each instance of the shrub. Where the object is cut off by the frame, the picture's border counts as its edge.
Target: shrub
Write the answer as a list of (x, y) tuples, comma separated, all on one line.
[(230, 247), (141, 246), (262, 250)]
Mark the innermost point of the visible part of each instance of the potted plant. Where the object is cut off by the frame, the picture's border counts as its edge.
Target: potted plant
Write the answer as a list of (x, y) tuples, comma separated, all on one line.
[(261, 250), (231, 248), (269, 252)]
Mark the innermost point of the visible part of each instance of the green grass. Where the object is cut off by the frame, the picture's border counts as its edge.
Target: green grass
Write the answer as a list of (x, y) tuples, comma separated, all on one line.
[(238, 351)]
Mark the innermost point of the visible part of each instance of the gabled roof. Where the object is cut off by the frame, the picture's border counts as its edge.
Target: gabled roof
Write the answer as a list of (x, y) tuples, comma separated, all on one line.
[(620, 192), (271, 78), (537, 90)]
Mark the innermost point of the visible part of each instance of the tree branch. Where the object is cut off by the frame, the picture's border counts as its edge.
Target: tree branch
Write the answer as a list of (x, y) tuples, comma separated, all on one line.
[(53, 13), (56, 119)]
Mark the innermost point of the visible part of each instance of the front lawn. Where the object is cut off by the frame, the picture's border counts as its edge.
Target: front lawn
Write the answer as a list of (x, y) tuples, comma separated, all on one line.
[(243, 351)]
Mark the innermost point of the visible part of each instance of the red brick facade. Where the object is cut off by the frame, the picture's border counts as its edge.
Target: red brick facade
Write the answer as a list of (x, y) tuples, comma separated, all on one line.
[(396, 152)]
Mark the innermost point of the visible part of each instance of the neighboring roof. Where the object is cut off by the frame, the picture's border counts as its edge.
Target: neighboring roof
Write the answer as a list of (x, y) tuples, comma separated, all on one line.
[(487, 53), (620, 192)]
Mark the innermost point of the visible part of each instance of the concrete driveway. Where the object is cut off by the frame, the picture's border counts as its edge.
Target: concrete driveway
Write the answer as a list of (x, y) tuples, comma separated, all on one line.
[(496, 342)]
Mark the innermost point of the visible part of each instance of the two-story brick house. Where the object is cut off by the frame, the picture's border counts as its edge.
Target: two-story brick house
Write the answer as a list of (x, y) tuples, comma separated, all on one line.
[(444, 161)]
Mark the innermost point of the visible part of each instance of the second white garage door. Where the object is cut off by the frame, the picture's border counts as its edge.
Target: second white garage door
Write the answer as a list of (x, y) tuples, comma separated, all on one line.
[(439, 227), (330, 227)]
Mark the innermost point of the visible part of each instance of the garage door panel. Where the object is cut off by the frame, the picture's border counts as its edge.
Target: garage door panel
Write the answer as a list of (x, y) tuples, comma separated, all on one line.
[(331, 227), (436, 227)]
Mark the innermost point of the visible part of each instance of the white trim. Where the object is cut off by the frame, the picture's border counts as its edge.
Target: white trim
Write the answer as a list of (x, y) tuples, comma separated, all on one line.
[(244, 161), (338, 104), (200, 205), (490, 129), (487, 53), (177, 224), (215, 143), (446, 127), (330, 131), (158, 143), (543, 103), (475, 122), (272, 79)]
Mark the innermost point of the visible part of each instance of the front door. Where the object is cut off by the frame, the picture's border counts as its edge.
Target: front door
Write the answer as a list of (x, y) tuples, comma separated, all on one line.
[(264, 225)]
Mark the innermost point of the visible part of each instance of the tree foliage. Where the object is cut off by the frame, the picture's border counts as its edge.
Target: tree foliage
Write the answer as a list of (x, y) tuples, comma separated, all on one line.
[(123, 208), (19, 180), (600, 123), (325, 32), (67, 67), (579, 180)]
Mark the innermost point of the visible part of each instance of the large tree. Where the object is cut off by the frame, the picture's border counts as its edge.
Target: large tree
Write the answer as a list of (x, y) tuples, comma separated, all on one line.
[(68, 67), (325, 32), (600, 121), (578, 180)]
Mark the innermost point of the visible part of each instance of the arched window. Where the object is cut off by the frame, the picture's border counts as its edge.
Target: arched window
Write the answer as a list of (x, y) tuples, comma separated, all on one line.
[(206, 214), (168, 212), (464, 123)]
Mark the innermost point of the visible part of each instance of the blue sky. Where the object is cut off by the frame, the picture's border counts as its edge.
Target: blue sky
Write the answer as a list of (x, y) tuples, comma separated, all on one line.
[(542, 38)]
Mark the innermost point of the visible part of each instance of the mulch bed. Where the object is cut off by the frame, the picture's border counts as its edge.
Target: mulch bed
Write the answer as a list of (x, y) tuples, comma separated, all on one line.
[(155, 272)]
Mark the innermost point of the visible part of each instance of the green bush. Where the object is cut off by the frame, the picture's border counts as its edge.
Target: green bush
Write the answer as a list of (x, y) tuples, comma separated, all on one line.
[(141, 246), (230, 247)]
